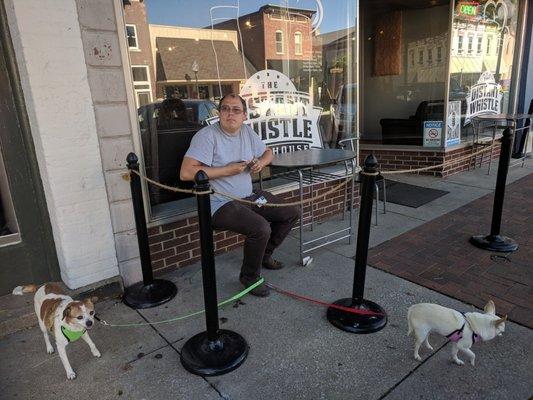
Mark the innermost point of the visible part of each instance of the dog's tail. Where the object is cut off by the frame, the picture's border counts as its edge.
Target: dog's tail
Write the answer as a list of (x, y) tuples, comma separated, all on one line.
[(20, 290)]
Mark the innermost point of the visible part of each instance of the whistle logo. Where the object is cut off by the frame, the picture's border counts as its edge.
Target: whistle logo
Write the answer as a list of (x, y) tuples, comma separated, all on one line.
[(283, 117), (485, 97)]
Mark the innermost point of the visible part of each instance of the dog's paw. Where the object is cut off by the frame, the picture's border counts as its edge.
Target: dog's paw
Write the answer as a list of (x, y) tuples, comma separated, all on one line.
[(96, 353), (71, 375), (458, 362), (473, 362), (418, 358), (50, 350)]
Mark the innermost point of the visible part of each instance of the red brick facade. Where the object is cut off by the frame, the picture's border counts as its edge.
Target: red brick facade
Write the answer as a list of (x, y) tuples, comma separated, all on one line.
[(272, 24), (259, 34), (390, 159), (135, 14), (177, 244)]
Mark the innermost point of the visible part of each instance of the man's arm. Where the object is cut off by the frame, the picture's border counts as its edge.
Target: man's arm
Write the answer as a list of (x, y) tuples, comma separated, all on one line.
[(263, 161), (190, 166)]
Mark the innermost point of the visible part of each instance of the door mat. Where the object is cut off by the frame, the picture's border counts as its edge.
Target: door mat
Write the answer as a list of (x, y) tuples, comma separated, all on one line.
[(409, 195)]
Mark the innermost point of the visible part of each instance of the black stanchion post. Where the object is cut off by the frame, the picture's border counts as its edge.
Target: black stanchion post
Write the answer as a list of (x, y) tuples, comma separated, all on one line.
[(150, 292), (377, 318), (216, 351), (495, 241)]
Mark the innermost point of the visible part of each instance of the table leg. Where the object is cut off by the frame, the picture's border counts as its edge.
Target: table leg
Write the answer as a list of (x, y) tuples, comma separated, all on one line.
[(494, 129), (301, 217), (352, 184)]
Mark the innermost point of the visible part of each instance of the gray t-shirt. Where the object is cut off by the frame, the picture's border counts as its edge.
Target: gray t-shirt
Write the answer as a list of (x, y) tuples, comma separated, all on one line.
[(215, 148)]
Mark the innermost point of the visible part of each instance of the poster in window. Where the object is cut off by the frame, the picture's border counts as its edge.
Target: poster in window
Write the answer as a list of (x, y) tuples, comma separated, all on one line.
[(432, 133), (388, 44), (453, 133)]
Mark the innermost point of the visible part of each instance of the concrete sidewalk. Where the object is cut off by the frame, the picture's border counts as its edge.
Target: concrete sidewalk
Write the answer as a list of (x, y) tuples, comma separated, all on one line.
[(294, 352)]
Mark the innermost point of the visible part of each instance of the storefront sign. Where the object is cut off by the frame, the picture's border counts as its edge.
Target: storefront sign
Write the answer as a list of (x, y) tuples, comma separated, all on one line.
[(485, 97), (453, 134), (467, 8), (283, 117), (432, 133)]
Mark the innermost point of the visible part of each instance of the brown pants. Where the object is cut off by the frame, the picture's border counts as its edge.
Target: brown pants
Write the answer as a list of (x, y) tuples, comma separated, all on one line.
[(264, 227)]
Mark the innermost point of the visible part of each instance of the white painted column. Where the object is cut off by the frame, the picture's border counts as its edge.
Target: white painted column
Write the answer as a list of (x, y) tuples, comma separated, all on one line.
[(54, 76)]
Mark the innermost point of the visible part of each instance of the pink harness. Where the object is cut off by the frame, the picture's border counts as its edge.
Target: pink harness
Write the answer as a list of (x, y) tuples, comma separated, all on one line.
[(457, 334)]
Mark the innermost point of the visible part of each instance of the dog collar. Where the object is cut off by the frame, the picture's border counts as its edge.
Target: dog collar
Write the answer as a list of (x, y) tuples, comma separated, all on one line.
[(72, 336)]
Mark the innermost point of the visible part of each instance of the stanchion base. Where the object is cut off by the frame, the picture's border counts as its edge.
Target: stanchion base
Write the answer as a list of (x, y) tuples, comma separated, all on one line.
[(145, 296), (202, 357), (357, 323), (498, 243)]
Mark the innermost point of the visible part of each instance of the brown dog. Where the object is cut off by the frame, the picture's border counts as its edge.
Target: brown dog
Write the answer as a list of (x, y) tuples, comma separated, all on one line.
[(66, 319)]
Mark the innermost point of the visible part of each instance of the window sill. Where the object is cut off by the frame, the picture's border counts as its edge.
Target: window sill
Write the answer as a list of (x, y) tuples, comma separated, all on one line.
[(10, 239)]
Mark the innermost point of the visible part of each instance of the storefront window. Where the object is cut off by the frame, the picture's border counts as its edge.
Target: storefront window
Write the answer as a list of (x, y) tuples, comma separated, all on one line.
[(8, 221), (480, 81), (293, 61), (404, 72)]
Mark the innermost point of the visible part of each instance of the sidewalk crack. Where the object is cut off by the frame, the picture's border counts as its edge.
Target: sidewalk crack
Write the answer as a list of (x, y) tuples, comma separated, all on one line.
[(389, 391)]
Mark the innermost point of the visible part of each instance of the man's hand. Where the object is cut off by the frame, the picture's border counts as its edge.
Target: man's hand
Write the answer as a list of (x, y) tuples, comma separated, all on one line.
[(257, 166), (235, 168)]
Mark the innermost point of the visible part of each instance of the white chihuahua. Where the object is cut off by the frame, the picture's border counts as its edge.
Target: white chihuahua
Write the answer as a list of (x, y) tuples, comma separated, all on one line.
[(66, 319), (463, 330)]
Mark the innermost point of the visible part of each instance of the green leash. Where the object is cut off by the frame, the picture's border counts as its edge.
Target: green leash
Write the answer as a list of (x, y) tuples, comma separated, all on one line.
[(230, 300)]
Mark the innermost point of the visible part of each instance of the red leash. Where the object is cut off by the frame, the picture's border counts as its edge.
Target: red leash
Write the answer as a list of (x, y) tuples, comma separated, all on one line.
[(322, 303)]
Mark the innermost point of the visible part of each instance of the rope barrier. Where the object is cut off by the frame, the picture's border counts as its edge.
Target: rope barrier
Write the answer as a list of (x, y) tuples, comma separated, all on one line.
[(166, 187), (229, 196), (126, 176), (294, 203), (219, 305)]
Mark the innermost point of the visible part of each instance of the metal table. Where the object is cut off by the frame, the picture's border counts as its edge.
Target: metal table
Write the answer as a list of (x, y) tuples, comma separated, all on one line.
[(300, 167), (496, 120)]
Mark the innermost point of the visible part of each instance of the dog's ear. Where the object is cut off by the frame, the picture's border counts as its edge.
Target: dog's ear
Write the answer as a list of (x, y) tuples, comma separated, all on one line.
[(490, 308), (500, 320), (66, 312)]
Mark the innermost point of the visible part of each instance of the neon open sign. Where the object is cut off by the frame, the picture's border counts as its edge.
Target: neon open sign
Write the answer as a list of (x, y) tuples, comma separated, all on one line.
[(469, 9)]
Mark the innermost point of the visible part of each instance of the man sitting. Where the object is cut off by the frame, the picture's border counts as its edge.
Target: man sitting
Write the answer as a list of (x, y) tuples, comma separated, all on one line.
[(229, 152)]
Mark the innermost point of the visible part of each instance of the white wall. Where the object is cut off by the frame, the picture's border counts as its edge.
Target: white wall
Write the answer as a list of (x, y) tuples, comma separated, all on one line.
[(56, 84)]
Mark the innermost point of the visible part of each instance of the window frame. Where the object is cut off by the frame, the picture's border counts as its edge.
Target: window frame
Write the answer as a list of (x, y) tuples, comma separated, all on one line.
[(298, 34), (479, 48), (136, 47), (141, 90), (280, 42)]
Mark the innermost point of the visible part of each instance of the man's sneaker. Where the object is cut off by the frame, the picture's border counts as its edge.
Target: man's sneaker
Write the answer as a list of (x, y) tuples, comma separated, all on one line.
[(259, 291), (270, 263)]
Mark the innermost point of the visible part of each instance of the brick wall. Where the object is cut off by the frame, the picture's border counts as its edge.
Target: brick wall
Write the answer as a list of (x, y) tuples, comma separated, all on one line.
[(177, 244), (271, 25), (390, 159)]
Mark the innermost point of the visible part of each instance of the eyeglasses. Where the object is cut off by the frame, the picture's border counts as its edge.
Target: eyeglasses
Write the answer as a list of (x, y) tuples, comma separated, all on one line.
[(228, 109)]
